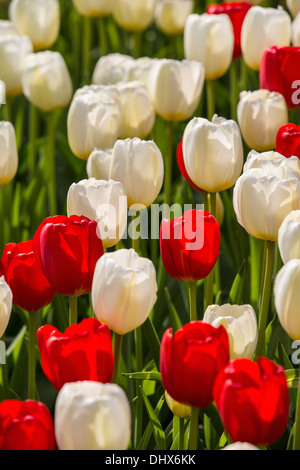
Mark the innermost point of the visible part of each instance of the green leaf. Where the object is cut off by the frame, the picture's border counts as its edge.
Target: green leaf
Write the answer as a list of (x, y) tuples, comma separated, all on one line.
[(292, 377), (152, 339), (173, 312), (148, 375), (236, 290), (143, 444), (157, 429)]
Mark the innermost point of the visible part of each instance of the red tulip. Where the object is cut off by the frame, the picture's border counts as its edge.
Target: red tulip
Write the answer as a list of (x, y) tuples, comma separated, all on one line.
[(69, 248), (181, 166), (26, 425), (236, 12), (279, 71), (253, 400), (83, 352), (288, 140), (24, 275), (190, 245), (190, 361)]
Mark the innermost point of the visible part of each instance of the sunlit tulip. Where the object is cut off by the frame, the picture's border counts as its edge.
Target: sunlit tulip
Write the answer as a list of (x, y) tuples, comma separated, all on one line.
[(240, 446), (170, 15), (262, 28), (13, 50), (140, 70), (103, 201), (262, 198), (98, 164), (38, 19), (46, 81), (5, 304), (7, 28), (243, 391), (203, 143), (94, 8), (138, 165), (288, 140), (287, 297), (209, 39), (111, 69), (241, 326), (260, 114), (26, 425), (92, 416), (8, 152), (169, 78), (293, 7), (124, 290), (134, 15), (178, 409), (83, 351), (190, 360), (271, 160), (289, 237)]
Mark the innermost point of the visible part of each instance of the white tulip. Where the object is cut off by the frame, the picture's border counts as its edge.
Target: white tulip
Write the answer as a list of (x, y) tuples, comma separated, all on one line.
[(170, 15), (7, 28), (241, 325), (134, 15), (5, 305), (203, 143), (8, 153), (98, 164), (240, 446), (92, 416), (296, 30), (289, 237), (293, 7), (94, 8), (111, 69), (124, 290), (270, 160), (102, 201)]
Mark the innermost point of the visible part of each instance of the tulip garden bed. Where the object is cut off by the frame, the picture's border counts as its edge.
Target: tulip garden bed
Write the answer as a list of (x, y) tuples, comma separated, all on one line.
[(150, 225)]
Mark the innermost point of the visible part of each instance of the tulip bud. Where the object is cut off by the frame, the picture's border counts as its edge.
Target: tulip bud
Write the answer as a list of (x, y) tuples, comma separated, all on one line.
[(262, 198), (170, 15), (102, 201), (92, 416), (134, 15), (203, 143), (124, 290), (260, 114), (13, 50), (38, 19), (46, 81), (183, 79), (94, 8), (288, 237), (5, 305), (7, 28), (140, 70), (240, 323), (269, 161), (262, 28), (240, 446), (209, 39), (111, 69), (9, 154), (98, 164), (178, 409), (288, 140), (293, 7)]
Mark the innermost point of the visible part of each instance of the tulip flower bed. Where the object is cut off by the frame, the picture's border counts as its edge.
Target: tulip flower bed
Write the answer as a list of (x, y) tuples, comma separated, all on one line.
[(150, 225)]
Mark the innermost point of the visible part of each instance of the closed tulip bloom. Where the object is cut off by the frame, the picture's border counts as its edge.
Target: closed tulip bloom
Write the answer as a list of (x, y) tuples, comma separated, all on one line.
[(286, 297), (288, 237), (253, 400), (23, 273), (5, 304), (241, 326), (270, 160), (190, 361), (98, 164), (93, 122), (293, 7), (26, 425), (92, 416), (94, 8), (138, 165), (183, 79), (134, 15), (240, 446), (124, 290), (7, 28), (262, 199), (13, 50), (102, 201), (38, 19), (46, 81), (260, 114), (296, 31), (203, 143), (83, 352), (9, 158), (190, 245), (262, 28), (170, 15), (69, 248), (279, 72), (209, 39), (288, 140), (178, 409), (111, 69)]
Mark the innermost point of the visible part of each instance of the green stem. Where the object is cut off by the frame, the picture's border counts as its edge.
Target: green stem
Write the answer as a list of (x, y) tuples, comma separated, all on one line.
[(234, 90), (296, 443), (256, 267), (33, 115), (169, 163), (86, 51), (32, 356), (193, 303), (118, 339), (181, 434), (73, 316), (209, 280), (102, 36), (139, 404), (137, 37), (8, 109), (51, 165), (265, 296), (193, 437), (210, 99)]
